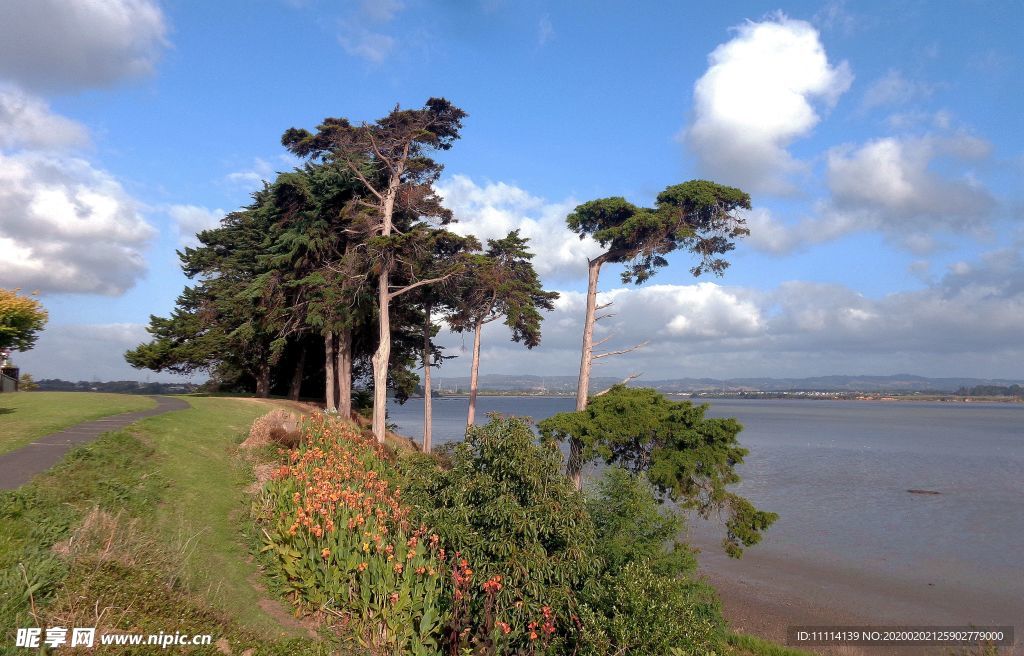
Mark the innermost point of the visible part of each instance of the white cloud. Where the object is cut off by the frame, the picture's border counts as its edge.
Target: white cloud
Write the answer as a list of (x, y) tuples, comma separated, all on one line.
[(371, 46), (70, 44), (87, 352), (492, 210), (899, 186), (894, 89), (757, 97), (891, 184), (967, 323), (70, 227), (254, 175), (26, 121), (359, 40), (190, 220)]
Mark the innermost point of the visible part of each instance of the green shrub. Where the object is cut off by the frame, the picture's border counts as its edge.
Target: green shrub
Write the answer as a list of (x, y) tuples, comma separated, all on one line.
[(635, 611), (506, 507), (633, 527), (688, 457)]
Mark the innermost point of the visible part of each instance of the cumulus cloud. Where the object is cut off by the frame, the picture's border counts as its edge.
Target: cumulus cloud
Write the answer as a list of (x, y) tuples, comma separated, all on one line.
[(893, 185), (26, 121), (190, 220), (69, 45), (914, 190), (757, 96), (66, 226), (966, 323), (491, 210)]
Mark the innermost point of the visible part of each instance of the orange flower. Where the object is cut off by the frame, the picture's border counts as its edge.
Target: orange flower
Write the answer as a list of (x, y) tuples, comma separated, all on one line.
[(362, 567), (505, 628), (326, 553), (398, 568)]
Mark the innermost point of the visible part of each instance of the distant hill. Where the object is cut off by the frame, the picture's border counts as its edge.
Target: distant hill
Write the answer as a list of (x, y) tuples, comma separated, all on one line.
[(567, 384)]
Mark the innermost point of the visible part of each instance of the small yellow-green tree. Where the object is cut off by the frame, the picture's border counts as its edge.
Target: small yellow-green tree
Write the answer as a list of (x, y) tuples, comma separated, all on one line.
[(21, 319)]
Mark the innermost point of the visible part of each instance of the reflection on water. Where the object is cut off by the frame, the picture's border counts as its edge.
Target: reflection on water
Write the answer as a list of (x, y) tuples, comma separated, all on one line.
[(838, 472)]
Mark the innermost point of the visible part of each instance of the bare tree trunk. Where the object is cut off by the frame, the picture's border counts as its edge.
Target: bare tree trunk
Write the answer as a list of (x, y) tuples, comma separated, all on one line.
[(381, 358), (474, 375), (574, 467), (300, 369), (330, 397), (428, 410), (343, 371), (263, 381)]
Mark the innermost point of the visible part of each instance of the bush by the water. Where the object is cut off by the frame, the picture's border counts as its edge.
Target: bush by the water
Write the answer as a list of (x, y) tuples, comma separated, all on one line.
[(506, 505), (492, 552)]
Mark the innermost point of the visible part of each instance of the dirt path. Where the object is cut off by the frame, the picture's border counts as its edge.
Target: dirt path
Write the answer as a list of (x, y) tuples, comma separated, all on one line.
[(19, 466)]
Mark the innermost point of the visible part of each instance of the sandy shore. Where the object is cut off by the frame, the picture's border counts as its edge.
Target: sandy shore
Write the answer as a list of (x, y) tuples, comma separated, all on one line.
[(763, 593)]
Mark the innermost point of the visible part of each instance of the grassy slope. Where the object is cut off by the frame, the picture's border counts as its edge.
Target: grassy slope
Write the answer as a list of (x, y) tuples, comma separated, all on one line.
[(204, 508), (28, 415), (174, 483)]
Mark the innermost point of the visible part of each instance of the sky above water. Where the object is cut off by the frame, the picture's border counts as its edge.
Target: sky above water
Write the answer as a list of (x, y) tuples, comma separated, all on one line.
[(881, 143)]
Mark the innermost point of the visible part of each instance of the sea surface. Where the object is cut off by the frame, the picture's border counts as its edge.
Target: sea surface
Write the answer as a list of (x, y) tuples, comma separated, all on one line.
[(837, 472)]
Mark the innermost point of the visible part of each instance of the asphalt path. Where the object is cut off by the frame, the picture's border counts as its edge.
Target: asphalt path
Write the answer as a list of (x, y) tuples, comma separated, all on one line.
[(21, 465)]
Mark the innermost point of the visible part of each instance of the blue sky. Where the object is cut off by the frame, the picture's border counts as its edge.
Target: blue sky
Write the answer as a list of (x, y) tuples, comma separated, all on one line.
[(880, 141)]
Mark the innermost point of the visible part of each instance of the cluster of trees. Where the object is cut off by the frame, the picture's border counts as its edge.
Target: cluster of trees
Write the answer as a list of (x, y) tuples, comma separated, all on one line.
[(334, 276), (992, 390), (111, 386)]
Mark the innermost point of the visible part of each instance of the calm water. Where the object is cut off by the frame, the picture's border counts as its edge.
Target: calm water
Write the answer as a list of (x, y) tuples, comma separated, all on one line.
[(838, 472)]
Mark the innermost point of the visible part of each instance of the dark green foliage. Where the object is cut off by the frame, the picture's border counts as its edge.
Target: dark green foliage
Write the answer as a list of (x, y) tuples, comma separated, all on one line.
[(688, 458), (507, 508), (992, 390), (501, 282), (698, 216), (638, 612), (632, 527)]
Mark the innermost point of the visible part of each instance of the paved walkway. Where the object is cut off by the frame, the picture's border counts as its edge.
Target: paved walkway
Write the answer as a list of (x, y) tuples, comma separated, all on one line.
[(19, 466)]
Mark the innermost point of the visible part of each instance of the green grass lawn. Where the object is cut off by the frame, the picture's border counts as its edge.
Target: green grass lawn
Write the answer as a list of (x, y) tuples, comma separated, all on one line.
[(151, 520), (24, 416), (204, 509)]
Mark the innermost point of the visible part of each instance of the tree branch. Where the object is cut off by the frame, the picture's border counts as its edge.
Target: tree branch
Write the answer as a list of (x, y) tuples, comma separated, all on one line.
[(376, 150), (624, 382), (409, 288), (598, 356), (362, 178)]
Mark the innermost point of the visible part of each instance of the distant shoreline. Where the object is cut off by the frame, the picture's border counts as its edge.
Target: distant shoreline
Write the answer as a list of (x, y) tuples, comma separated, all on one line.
[(769, 396)]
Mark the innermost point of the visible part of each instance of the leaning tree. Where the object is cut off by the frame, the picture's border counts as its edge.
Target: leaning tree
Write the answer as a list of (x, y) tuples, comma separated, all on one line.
[(500, 282), (698, 216), (391, 157)]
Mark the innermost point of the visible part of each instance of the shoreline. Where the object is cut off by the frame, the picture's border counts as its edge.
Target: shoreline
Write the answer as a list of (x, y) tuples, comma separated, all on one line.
[(772, 396), (763, 593)]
